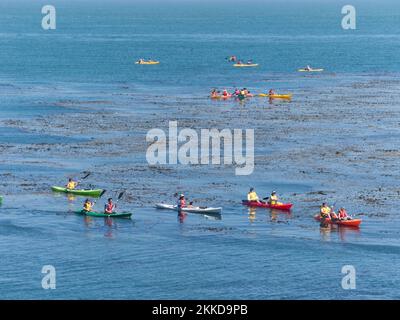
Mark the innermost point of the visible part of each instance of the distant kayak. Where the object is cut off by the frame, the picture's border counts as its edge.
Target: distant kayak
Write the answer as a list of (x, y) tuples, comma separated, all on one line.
[(349, 223), (80, 192), (311, 70), (190, 210), (275, 96), (104, 215), (147, 62), (221, 97), (283, 206), (240, 65)]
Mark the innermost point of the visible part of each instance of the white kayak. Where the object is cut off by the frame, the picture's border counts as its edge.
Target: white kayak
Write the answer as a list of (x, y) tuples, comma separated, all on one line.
[(190, 210)]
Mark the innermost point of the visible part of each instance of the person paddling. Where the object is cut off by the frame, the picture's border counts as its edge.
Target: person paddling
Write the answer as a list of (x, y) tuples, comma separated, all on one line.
[(71, 185), (181, 201), (325, 211), (88, 205), (273, 198), (252, 196), (110, 206), (271, 92), (343, 214)]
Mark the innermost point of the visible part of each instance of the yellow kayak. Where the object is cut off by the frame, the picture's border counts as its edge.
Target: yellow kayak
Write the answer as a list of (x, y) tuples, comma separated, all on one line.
[(147, 62), (275, 96), (312, 70), (242, 65)]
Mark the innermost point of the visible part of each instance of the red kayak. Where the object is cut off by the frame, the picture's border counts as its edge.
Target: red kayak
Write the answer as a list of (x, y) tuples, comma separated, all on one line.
[(355, 223), (283, 206)]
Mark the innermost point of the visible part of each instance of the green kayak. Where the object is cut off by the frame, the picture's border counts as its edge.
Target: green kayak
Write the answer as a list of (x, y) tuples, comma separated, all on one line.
[(104, 215), (1, 200), (80, 192)]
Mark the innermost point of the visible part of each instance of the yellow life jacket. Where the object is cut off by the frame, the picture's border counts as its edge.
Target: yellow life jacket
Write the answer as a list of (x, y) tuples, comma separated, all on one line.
[(273, 199), (71, 185), (252, 196), (325, 211), (87, 206)]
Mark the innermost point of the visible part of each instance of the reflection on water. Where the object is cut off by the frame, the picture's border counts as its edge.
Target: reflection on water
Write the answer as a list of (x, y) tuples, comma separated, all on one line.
[(276, 216), (342, 231)]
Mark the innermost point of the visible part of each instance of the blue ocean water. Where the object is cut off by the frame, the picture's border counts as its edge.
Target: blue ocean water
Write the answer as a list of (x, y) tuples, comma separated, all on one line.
[(89, 57)]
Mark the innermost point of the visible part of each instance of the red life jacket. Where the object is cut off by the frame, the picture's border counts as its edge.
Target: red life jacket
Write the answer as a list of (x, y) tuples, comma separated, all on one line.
[(110, 207), (181, 203)]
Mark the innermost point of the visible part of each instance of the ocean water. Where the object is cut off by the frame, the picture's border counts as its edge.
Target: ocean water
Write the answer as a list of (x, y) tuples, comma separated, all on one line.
[(72, 100)]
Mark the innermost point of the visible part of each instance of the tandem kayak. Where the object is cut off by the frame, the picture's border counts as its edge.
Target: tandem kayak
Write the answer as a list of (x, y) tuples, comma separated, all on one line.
[(275, 96), (312, 70), (80, 192), (240, 65), (221, 97), (355, 223), (104, 215), (283, 206), (190, 210), (147, 62)]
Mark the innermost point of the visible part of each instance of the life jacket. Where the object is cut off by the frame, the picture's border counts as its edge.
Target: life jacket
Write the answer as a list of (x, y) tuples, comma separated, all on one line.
[(71, 185), (273, 199), (87, 206), (109, 207), (252, 196), (181, 203), (225, 93), (325, 211), (342, 214)]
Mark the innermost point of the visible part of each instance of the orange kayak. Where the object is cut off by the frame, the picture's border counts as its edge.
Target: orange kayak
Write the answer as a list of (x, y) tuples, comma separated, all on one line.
[(355, 223)]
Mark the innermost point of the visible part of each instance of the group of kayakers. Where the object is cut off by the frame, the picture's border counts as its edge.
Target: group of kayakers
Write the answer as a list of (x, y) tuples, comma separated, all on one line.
[(109, 207), (235, 59), (326, 212), (236, 93)]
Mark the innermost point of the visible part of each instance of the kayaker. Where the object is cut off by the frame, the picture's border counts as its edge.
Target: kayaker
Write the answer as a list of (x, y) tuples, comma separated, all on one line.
[(110, 206), (250, 62), (225, 93), (343, 214), (236, 92), (88, 205), (190, 205), (271, 92), (325, 211), (214, 93), (181, 202), (273, 198), (308, 68), (71, 185), (252, 196)]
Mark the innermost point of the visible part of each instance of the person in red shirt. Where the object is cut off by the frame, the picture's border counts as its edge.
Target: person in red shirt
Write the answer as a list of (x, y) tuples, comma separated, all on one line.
[(181, 202), (109, 207), (343, 214)]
